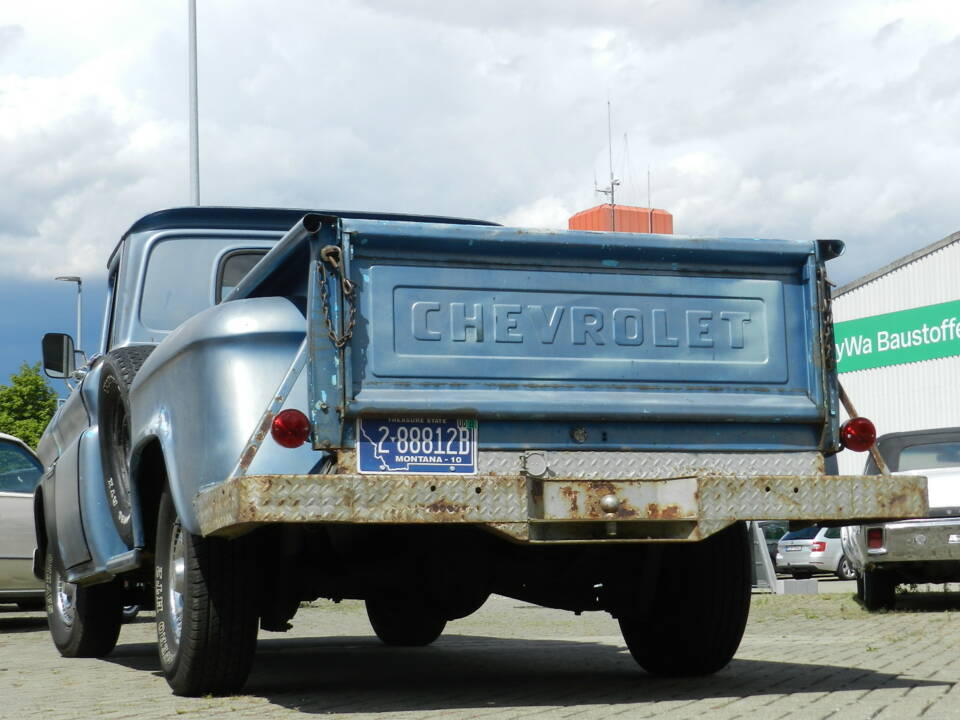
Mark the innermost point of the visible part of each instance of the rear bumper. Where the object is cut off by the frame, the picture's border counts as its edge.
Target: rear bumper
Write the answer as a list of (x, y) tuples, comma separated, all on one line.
[(555, 510), (930, 540)]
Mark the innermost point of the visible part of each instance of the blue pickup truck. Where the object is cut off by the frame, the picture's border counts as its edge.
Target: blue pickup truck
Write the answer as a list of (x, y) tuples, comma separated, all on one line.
[(420, 411)]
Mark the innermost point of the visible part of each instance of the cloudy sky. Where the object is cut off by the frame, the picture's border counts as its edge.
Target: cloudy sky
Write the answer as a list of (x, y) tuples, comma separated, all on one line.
[(798, 120)]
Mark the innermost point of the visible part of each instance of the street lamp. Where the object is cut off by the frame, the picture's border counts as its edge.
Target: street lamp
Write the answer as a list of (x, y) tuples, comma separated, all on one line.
[(79, 282)]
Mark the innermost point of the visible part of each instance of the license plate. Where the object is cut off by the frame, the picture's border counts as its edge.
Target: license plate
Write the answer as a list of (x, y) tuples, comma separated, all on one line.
[(793, 549), (417, 446)]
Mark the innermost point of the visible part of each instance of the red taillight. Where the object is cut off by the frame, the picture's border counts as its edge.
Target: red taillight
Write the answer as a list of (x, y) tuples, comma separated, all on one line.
[(818, 546), (290, 428), (875, 538), (858, 434)]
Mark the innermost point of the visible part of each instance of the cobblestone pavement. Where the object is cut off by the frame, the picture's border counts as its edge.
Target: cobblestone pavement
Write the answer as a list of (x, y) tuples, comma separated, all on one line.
[(803, 656)]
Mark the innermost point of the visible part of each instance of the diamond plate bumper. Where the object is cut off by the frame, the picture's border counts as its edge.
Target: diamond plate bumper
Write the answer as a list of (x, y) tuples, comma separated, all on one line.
[(556, 509)]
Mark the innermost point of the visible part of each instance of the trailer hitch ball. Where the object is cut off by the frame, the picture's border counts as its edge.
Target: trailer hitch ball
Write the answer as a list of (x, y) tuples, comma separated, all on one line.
[(610, 504)]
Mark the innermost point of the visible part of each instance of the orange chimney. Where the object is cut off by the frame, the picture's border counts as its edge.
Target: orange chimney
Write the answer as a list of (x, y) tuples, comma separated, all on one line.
[(623, 218)]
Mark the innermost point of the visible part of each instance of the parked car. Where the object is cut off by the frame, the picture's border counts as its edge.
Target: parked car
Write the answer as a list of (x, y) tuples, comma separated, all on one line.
[(20, 471), (813, 549), (911, 551)]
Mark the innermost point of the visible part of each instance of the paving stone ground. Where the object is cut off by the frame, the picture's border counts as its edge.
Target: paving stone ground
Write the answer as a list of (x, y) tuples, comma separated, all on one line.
[(806, 657)]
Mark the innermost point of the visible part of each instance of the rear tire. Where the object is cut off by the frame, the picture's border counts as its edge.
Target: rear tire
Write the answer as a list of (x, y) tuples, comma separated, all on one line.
[(206, 608), (879, 590), (403, 624), (83, 621), (700, 609)]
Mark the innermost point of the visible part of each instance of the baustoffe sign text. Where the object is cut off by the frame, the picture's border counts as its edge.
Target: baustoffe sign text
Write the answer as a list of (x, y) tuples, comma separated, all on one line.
[(923, 333)]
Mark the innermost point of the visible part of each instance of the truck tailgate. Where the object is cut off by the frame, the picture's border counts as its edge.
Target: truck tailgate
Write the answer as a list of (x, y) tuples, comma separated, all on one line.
[(506, 323)]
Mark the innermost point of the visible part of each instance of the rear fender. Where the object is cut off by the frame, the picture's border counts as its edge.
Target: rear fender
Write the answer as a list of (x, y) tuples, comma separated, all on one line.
[(204, 393)]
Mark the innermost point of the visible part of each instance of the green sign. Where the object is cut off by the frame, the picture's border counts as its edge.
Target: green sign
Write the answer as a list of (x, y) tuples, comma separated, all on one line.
[(923, 333)]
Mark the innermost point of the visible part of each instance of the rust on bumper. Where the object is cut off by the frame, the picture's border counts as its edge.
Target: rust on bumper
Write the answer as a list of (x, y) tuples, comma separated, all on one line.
[(528, 509)]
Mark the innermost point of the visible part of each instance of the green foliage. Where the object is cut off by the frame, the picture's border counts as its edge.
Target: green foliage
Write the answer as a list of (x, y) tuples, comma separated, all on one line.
[(27, 404)]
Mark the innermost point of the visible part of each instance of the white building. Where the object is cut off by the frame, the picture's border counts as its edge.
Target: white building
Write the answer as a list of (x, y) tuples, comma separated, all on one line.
[(898, 343)]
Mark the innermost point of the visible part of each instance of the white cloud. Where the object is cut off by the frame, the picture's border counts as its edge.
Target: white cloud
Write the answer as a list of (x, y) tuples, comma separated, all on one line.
[(801, 120)]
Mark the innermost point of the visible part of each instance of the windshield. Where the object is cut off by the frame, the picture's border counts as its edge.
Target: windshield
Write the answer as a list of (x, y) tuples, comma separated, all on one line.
[(20, 471)]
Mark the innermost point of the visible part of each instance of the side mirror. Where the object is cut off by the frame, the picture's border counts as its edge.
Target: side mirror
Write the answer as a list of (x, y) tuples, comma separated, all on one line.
[(58, 355)]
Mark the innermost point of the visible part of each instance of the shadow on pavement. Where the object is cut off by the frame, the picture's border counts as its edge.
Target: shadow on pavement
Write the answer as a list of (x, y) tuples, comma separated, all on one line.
[(20, 621), (937, 601), (359, 674)]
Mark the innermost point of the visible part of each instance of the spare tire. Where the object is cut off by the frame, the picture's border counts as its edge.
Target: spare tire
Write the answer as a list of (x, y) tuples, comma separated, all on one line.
[(118, 369)]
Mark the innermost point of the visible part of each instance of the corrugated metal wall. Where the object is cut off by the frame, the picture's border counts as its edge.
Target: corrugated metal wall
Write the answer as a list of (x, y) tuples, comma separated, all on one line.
[(917, 395)]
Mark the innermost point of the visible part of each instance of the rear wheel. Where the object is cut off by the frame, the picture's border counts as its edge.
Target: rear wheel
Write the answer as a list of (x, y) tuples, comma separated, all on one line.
[(206, 608), (83, 621), (700, 609), (404, 624), (879, 590)]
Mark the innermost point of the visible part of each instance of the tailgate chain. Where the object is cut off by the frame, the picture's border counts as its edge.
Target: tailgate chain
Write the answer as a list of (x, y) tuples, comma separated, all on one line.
[(331, 255)]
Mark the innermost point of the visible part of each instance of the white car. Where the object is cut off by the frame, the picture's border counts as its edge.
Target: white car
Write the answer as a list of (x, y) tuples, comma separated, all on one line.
[(813, 549), (20, 471), (911, 551)]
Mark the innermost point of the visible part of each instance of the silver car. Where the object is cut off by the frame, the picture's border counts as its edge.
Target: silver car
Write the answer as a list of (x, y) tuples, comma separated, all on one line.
[(20, 471), (813, 549), (911, 551)]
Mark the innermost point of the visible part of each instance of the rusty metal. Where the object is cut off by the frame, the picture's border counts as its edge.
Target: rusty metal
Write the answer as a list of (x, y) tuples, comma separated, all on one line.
[(557, 509), (852, 412), (332, 255)]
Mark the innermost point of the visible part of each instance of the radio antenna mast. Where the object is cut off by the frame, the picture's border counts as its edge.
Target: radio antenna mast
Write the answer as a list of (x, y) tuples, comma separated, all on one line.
[(611, 188)]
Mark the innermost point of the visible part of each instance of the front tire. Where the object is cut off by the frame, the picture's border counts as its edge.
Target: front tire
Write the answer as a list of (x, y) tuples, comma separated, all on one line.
[(206, 608), (403, 624), (697, 618), (83, 621)]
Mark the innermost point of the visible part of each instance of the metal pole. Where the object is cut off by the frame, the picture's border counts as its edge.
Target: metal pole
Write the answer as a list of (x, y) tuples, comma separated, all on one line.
[(79, 282), (79, 314), (194, 123), (613, 202)]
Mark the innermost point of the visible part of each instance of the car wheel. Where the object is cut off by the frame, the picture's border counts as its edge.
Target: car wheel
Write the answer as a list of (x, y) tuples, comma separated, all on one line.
[(860, 587), (845, 569), (206, 608), (697, 617), (403, 624), (119, 368), (879, 590), (130, 612), (83, 621)]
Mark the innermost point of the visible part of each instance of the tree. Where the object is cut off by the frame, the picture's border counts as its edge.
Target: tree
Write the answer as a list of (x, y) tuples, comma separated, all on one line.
[(27, 404)]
